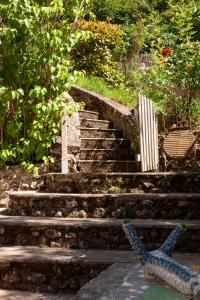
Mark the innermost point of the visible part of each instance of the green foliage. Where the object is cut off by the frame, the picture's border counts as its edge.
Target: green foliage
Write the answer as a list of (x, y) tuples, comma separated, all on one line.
[(124, 95), (173, 80), (99, 55), (116, 190), (126, 12), (36, 38)]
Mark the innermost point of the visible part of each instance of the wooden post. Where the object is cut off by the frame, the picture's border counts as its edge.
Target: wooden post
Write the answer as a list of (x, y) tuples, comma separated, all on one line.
[(64, 159)]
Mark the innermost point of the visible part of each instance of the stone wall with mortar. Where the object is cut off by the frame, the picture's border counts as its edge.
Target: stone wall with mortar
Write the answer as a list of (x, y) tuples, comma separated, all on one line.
[(92, 236), (14, 178), (46, 277), (169, 182), (119, 206), (121, 116)]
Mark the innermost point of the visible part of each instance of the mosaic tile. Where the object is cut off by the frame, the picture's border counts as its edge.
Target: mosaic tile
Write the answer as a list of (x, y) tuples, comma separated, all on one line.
[(159, 264)]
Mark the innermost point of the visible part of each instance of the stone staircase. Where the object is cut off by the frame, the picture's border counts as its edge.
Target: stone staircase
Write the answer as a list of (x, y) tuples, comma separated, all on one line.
[(59, 238), (103, 148)]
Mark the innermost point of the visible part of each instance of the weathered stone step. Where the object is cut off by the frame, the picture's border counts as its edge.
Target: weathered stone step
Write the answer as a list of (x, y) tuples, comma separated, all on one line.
[(99, 154), (106, 154), (141, 206), (103, 166), (92, 233), (107, 143), (45, 269), (24, 295), (127, 182), (87, 114), (100, 133), (92, 123)]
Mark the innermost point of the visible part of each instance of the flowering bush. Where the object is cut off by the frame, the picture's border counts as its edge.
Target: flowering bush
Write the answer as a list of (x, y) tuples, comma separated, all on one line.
[(173, 79)]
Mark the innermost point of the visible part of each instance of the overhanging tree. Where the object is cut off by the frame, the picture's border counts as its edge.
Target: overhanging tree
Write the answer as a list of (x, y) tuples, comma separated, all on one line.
[(36, 40)]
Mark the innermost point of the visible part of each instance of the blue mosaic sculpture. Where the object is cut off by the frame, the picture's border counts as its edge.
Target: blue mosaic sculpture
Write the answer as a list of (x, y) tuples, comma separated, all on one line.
[(161, 266)]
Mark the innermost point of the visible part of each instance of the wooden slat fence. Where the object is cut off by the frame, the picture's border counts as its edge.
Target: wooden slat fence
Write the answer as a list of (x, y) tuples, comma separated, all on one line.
[(148, 124)]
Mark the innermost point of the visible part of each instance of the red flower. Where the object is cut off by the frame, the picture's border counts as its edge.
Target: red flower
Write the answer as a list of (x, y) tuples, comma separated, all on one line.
[(166, 51)]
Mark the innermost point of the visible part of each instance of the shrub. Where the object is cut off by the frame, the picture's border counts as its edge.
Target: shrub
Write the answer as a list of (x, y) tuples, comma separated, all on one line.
[(36, 74), (99, 55)]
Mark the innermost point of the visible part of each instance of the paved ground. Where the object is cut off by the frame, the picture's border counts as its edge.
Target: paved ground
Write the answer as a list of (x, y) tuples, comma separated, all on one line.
[(19, 295), (125, 281)]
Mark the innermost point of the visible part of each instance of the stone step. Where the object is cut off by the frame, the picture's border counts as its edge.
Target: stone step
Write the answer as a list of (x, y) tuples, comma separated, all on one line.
[(100, 133), (141, 206), (50, 270), (24, 295), (103, 166), (74, 233), (99, 154), (169, 182), (92, 123), (107, 143), (87, 114), (106, 154)]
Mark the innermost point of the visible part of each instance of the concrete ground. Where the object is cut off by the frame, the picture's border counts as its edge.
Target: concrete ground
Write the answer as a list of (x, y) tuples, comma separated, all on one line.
[(125, 281)]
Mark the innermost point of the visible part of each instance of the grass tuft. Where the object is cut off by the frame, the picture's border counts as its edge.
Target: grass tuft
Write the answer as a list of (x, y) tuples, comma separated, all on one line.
[(126, 96)]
